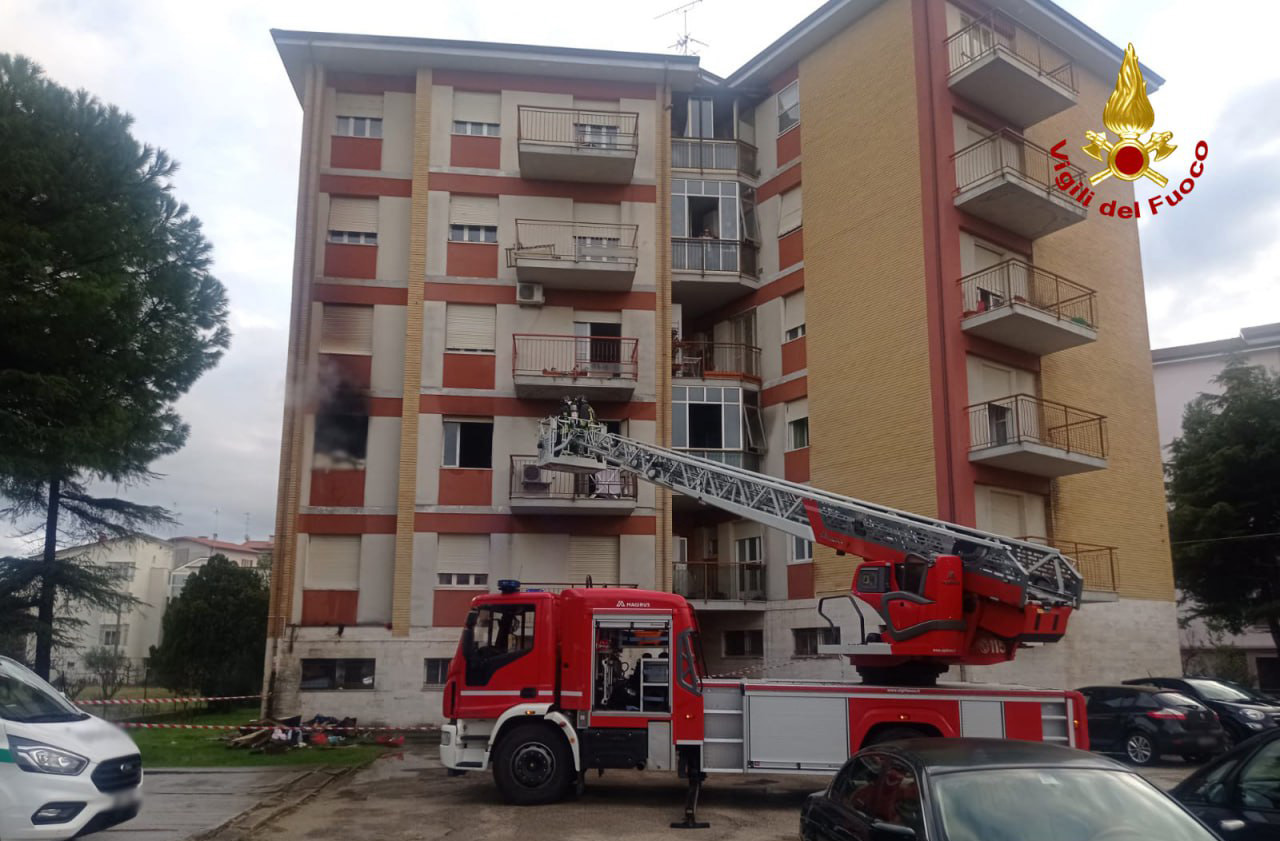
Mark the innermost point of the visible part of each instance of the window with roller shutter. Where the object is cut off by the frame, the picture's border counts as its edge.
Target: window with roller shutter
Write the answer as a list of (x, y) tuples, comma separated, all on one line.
[(333, 563), (462, 560), (793, 323), (353, 221), (346, 328), (593, 556), (789, 216), (470, 328)]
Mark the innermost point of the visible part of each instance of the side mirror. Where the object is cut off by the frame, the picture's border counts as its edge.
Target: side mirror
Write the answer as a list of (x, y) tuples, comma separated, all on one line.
[(881, 831)]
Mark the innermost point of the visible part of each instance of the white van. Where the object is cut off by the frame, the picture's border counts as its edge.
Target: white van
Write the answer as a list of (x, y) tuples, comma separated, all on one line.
[(63, 772)]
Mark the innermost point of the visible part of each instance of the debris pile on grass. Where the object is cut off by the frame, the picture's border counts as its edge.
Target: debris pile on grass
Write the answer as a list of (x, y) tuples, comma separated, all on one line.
[(272, 735)]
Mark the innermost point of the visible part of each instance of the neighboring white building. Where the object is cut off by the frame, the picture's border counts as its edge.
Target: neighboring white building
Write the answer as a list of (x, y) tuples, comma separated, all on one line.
[(1181, 373)]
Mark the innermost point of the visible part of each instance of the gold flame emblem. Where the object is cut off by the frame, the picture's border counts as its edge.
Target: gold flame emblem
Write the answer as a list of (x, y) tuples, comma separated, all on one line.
[(1129, 114)]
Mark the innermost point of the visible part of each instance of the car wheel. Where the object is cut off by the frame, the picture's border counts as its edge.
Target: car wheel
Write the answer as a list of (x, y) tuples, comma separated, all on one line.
[(1139, 749), (532, 765)]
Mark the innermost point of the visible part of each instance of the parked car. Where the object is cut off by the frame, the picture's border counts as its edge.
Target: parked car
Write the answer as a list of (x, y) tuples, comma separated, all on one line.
[(1143, 723), (1240, 714), (1238, 794), (991, 790), (1254, 694), (62, 772)]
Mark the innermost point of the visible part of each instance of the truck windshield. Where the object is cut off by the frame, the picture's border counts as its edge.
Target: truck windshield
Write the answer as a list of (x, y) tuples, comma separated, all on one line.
[(24, 697)]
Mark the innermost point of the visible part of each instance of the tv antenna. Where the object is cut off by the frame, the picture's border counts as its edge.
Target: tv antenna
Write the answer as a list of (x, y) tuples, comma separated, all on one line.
[(685, 41)]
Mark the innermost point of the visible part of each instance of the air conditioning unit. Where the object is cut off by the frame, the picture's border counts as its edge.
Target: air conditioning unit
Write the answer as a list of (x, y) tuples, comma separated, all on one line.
[(529, 294), (531, 474)]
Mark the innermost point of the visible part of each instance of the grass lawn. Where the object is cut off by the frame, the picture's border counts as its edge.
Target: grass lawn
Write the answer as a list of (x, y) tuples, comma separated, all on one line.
[(207, 748)]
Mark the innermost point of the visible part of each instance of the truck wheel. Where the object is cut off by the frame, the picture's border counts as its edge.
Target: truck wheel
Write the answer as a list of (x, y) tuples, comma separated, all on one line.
[(893, 734), (532, 765)]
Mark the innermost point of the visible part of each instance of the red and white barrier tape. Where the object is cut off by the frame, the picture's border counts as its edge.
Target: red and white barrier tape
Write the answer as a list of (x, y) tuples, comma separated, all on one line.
[(147, 726), (121, 701)]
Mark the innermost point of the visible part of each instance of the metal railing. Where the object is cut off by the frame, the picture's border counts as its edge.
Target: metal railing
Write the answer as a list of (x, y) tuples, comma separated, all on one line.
[(586, 357), (529, 481), (998, 31), (696, 360), (704, 254), (720, 581), (705, 153), (1015, 281), (574, 242), (1096, 563), (745, 459), (1007, 153), (576, 129), (1023, 419)]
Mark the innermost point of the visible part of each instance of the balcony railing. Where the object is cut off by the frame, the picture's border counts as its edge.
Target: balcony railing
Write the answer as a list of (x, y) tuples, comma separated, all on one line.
[(697, 360), (703, 153), (1007, 153), (1023, 419), (998, 31), (1017, 282), (606, 357), (734, 458), (1096, 563), (529, 481), (576, 129), (720, 582), (588, 243), (704, 254)]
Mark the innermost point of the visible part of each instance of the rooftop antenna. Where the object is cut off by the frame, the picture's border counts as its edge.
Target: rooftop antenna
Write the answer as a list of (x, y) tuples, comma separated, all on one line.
[(685, 40), (246, 527), (216, 512)]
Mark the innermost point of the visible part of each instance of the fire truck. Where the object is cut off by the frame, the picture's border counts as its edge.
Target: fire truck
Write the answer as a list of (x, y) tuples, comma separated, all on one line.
[(546, 686)]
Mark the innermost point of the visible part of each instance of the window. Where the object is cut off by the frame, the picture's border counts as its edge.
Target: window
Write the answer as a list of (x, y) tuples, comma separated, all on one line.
[(596, 136), (345, 328), (793, 316), (113, 635), (353, 238), (337, 673), (716, 418), (470, 328), (632, 665), (475, 129), (359, 127), (473, 233), (495, 636), (743, 643), (463, 579), (435, 671), (1260, 779), (468, 444), (798, 434), (353, 221), (789, 215), (713, 546), (801, 550), (332, 562), (789, 107), (747, 550), (123, 571), (473, 219), (341, 437), (807, 640)]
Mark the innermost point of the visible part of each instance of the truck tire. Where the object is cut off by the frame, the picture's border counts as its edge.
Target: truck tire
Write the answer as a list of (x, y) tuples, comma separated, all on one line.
[(893, 734), (532, 765)]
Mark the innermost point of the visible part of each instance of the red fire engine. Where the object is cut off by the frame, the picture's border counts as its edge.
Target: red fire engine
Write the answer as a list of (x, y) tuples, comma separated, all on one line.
[(546, 686)]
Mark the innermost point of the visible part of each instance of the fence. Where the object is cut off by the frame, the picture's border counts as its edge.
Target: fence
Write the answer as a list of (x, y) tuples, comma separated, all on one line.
[(705, 153), (1023, 419), (732, 581), (1096, 563), (1007, 153), (575, 128), (603, 357), (576, 242), (529, 481), (1015, 281), (704, 254), (697, 360), (998, 31)]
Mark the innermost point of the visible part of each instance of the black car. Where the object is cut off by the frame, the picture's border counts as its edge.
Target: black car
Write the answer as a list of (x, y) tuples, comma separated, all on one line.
[(991, 790), (1238, 794), (1144, 723), (1240, 714)]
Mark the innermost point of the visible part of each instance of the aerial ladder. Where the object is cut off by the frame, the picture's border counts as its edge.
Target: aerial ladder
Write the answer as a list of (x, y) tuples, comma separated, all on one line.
[(944, 594)]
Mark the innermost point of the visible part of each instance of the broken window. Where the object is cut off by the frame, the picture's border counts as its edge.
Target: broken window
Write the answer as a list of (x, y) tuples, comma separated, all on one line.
[(744, 643), (337, 673), (341, 439), (468, 444)]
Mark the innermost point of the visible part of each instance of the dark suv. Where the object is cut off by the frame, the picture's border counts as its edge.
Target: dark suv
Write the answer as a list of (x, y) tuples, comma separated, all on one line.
[(1242, 716), (1145, 722)]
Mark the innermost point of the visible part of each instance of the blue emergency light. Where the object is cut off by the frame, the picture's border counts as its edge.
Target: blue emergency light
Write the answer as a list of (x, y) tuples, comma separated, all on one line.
[(507, 586)]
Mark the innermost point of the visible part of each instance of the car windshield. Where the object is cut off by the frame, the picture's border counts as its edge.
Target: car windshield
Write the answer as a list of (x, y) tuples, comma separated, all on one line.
[(1215, 691), (1059, 804), (24, 697)]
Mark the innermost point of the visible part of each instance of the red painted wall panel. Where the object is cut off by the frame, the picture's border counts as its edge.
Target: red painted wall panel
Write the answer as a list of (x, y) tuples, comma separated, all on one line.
[(790, 248), (329, 607), (466, 486), (449, 607), (342, 260), (781, 393), (789, 146), (478, 152), (469, 370), (800, 581), (355, 153), (344, 293), (472, 259), (793, 356), (796, 465), (337, 488)]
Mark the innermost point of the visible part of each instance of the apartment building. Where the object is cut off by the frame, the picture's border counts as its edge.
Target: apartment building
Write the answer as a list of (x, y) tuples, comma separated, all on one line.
[(844, 263)]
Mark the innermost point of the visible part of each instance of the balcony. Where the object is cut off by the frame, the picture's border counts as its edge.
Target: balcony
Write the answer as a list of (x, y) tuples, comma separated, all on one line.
[(1096, 563), (1009, 181), (706, 155), (730, 586), (710, 272), (569, 144), (1019, 305), (1010, 70), (575, 255), (605, 493), (715, 360), (1040, 437), (550, 366)]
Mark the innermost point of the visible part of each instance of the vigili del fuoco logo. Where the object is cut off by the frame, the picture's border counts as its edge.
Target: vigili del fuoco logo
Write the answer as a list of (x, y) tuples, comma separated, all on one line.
[(1128, 115)]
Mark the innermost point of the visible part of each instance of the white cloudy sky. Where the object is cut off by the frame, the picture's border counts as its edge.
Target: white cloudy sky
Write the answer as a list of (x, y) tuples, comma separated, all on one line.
[(203, 81)]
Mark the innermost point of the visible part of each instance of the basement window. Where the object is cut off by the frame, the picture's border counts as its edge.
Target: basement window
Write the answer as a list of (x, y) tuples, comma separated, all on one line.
[(468, 444), (337, 673), (807, 640), (744, 643), (436, 671)]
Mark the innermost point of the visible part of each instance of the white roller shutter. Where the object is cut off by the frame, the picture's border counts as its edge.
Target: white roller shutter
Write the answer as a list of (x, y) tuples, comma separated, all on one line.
[(346, 328), (477, 107), (333, 563), (358, 105), (473, 210), (793, 310), (797, 409), (463, 553), (593, 556), (470, 327), (789, 215), (347, 214)]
